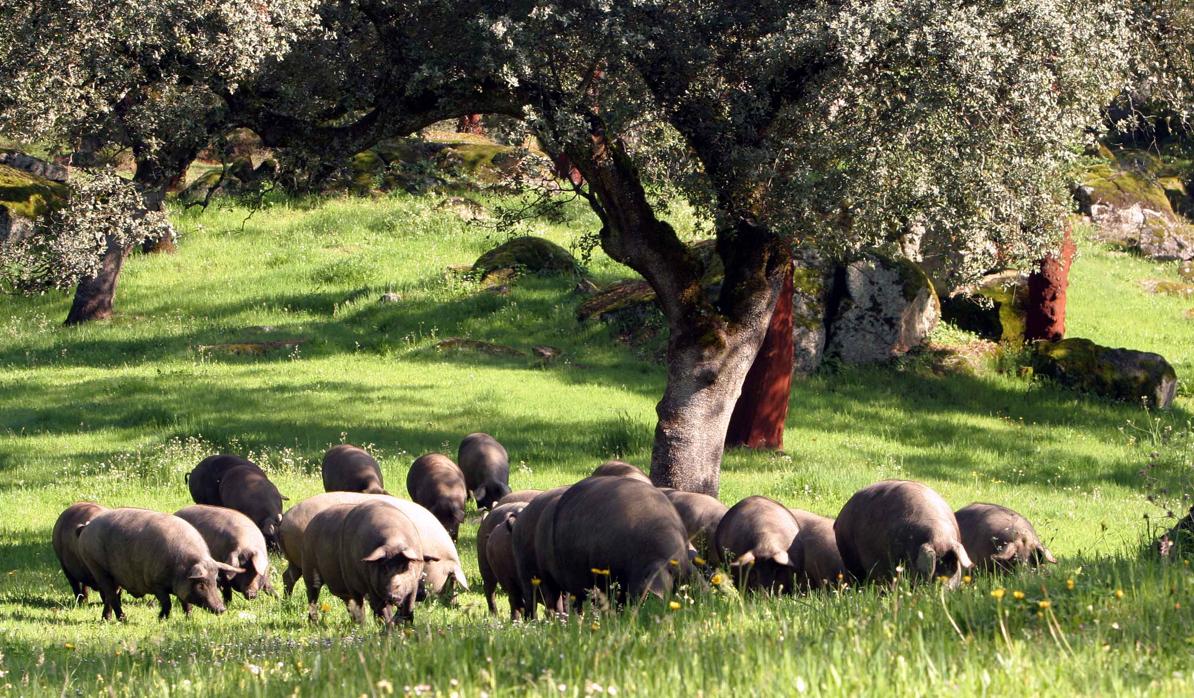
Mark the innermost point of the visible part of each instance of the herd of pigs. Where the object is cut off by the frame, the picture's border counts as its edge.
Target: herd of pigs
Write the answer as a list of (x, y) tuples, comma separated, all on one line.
[(613, 535)]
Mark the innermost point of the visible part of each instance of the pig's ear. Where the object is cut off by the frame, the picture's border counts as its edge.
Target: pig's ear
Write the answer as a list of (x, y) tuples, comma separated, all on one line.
[(510, 522), (963, 557), (411, 554), (1043, 554), (430, 558), (782, 558), (284, 499), (80, 527), (1007, 554), (460, 578), (479, 493), (221, 567), (259, 563), (197, 572), (378, 553), (744, 560), (926, 560)]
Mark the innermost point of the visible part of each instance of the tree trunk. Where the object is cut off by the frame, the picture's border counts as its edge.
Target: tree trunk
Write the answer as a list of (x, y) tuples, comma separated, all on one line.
[(758, 418), (1047, 294), (94, 295), (695, 411), (711, 347), (470, 123)]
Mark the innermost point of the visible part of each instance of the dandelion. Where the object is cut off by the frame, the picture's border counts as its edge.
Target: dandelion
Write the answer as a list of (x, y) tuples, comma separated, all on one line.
[(1069, 584), (966, 579), (385, 686), (717, 579), (600, 572), (69, 645), (595, 625), (943, 579), (325, 607), (1044, 603), (1119, 593), (535, 581), (1018, 595), (699, 561), (674, 562), (674, 605), (997, 594)]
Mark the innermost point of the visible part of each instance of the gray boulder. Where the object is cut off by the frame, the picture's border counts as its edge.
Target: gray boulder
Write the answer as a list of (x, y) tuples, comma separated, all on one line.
[(884, 307), (810, 296), (32, 165), (1118, 374)]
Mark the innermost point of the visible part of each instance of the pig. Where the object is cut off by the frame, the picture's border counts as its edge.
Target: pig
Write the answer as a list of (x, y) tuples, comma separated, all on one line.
[(248, 490), (523, 496), (486, 467), (701, 514), (347, 468), (996, 537), (367, 552), (489, 577), (492, 520), (615, 534), (438, 575), (147, 552), (232, 538), (536, 584), (756, 539), (898, 523), (616, 468), (204, 480), (437, 483), (66, 546), (823, 566)]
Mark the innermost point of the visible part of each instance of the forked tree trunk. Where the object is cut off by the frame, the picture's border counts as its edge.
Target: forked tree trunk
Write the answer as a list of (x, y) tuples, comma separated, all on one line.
[(1047, 294), (94, 295), (759, 415)]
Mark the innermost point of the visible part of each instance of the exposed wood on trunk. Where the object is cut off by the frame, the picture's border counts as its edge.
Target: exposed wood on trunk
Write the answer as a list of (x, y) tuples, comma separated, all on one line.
[(759, 415), (1047, 293)]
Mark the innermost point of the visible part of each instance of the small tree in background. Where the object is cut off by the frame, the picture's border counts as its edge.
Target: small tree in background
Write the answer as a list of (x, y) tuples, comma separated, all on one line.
[(149, 77)]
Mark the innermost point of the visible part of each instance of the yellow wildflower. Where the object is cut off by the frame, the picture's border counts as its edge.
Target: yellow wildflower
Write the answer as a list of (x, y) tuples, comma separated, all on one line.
[(943, 579), (601, 572), (674, 562), (698, 560), (385, 686), (1119, 593), (1069, 584), (997, 594), (325, 607), (69, 645), (535, 581), (1044, 603), (717, 579), (966, 579), (1018, 595), (595, 625), (675, 605)]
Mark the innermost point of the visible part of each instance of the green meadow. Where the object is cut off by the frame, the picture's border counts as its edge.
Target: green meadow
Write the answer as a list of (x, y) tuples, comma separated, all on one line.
[(263, 335)]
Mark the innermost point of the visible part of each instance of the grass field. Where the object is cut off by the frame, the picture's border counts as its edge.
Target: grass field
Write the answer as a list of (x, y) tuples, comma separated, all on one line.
[(118, 411)]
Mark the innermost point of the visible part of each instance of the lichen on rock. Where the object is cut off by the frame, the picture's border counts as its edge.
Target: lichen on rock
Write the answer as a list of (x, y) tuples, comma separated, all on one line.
[(1117, 374)]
